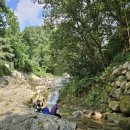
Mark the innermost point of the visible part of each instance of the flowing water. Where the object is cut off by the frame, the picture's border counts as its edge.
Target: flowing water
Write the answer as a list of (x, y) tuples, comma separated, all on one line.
[(88, 123), (58, 83), (83, 124)]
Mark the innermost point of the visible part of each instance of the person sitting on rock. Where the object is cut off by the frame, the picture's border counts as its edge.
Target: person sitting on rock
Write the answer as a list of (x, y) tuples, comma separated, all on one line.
[(38, 106), (54, 111), (45, 110)]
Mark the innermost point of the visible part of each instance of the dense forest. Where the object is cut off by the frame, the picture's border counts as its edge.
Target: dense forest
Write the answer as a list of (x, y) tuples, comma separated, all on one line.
[(78, 37)]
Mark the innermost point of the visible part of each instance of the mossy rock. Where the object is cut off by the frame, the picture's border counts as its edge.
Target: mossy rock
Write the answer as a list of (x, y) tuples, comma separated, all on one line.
[(125, 105), (125, 124), (114, 106), (114, 117)]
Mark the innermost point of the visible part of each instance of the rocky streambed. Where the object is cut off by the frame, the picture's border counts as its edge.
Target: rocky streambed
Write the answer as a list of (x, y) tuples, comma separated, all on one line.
[(16, 113), (85, 121)]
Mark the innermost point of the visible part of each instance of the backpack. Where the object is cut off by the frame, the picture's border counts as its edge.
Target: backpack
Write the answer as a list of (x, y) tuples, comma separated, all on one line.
[(45, 110)]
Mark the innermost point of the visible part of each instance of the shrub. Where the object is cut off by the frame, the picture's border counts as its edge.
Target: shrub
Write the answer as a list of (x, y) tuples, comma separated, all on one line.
[(4, 70), (120, 58), (27, 66), (93, 98)]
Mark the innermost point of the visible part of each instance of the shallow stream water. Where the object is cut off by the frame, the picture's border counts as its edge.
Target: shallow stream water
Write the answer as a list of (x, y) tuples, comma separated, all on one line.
[(88, 123)]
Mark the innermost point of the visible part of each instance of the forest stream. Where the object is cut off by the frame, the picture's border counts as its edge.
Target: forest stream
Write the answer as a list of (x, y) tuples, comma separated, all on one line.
[(88, 123)]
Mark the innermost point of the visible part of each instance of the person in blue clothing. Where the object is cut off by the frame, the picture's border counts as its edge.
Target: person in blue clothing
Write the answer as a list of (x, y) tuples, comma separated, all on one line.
[(45, 110), (41, 107), (54, 111)]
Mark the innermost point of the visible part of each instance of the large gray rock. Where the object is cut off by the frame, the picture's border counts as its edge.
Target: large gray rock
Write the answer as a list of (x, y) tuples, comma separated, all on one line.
[(118, 83), (35, 122), (121, 78), (77, 113), (127, 85), (123, 83), (125, 105), (113, 84), (124, 72), (125, 65), (116, 93), (129, 66), (127, 91), (114, 106), (116, 71), (128, 75)]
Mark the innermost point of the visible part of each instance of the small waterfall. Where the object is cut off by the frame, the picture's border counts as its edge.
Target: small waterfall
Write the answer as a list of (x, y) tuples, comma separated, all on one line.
[(53, 97)]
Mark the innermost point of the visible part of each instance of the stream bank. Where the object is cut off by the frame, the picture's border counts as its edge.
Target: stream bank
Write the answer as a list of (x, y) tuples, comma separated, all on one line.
[(85, 122), (108, 93)]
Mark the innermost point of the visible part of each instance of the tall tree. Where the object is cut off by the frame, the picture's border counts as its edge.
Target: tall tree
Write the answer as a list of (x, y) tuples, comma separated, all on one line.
[(90, 26)]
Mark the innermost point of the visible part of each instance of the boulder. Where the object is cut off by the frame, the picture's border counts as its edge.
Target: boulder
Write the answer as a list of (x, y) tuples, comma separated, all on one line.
[(114, 106), (127, 91), (121, 78), (115, 117), (123, 72), (113, 84), (116, 93), (118, 83), (116, 72), (125, 65), (127, 85), (125, 104), (128, 75), (123, 83), (129, 66), (35, 122), (77, 113)]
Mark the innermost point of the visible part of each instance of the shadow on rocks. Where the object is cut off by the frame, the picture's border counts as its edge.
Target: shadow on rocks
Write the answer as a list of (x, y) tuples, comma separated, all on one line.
[(34, 121)]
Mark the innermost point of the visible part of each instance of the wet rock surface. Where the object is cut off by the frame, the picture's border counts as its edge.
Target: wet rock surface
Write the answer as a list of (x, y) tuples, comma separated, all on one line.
[(91, 124)]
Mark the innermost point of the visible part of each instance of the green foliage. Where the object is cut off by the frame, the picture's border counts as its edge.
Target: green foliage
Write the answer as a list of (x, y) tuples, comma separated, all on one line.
[(4, 70), (114, 47), (27, 66), (36, 43), (68, 92), (120, 58), (6, 51), (86, 83), (89, 35), (93, 98), (69, 88)]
